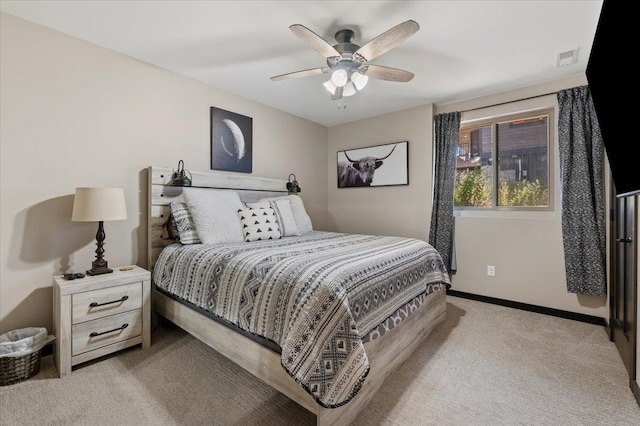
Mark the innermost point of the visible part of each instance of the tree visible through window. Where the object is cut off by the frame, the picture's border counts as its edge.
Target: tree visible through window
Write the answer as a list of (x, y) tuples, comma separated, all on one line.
[(504, 163)]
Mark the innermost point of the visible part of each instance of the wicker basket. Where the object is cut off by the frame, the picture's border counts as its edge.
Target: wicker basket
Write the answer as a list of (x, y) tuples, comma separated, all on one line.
[(19, 368)]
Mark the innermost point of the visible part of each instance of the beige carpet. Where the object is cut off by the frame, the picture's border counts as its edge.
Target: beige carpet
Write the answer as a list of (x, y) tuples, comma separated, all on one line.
[(487, 365)]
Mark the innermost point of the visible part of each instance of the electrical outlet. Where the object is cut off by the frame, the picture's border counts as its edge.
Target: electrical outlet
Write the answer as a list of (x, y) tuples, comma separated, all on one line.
[(491, 270)]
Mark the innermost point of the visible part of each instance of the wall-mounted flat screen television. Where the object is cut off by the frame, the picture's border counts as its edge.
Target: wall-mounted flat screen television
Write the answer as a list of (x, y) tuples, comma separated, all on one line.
[(613, 81)]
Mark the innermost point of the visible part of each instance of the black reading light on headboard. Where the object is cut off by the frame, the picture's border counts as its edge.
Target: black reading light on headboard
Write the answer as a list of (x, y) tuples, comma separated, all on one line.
[(292, 185), (179, 177)]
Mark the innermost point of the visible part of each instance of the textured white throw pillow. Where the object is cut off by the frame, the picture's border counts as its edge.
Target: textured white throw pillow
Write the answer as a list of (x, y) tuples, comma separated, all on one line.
[(303, 221), (215, 214), (284, 215)]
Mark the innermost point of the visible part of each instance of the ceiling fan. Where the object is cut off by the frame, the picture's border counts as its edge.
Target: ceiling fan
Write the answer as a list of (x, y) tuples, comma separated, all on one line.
[(348, 63)]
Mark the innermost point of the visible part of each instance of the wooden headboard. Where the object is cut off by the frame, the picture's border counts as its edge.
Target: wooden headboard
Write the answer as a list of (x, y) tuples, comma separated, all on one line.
[(161, 195)]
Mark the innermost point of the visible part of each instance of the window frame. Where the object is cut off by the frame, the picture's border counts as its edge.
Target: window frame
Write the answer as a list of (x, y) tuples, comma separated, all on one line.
[(493, 122)]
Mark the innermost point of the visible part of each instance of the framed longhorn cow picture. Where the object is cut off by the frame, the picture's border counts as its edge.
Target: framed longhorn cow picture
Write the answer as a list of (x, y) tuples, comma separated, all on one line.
[(379, 165), (231, 141)]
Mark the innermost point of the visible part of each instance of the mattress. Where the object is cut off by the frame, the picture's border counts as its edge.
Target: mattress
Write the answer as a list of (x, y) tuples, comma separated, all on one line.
[(319, 297)]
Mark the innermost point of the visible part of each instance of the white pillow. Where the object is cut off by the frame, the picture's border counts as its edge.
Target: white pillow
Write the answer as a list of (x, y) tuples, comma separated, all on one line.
[(284, 215), (299, 213), (259, 224), (215, 214)]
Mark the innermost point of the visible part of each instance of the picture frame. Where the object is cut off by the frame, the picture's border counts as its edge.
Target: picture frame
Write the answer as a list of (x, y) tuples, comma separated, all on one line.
[(377, 165), (231, 141)]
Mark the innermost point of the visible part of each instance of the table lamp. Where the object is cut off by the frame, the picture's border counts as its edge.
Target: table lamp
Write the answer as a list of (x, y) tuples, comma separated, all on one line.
[(99, 205)]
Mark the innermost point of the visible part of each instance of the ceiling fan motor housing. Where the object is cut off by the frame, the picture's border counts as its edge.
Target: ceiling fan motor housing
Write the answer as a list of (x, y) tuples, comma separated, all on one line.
[(345, 45), (346, 49)]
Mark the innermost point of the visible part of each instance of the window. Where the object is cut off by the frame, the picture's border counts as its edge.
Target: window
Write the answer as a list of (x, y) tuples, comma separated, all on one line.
[(504, 163)]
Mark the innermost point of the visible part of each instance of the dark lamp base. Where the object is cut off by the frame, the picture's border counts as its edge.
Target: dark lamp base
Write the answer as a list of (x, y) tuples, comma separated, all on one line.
[(99, 271), (100, 265)]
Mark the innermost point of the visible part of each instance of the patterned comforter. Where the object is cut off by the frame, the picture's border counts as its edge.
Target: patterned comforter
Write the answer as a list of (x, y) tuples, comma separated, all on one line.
[(315, 295)]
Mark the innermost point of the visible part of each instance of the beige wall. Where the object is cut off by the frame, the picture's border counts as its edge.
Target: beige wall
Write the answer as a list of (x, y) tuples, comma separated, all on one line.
[(525, 247), (74, 114), (392, 210)]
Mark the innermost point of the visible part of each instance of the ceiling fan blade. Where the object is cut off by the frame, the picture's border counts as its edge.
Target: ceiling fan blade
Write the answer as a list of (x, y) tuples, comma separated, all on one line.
[(386, 73), (298, 74), (387, 40), (337, 94), (315, 41)]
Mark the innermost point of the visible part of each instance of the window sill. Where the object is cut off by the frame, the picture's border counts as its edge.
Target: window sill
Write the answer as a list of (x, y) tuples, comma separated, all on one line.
[(506, 213)]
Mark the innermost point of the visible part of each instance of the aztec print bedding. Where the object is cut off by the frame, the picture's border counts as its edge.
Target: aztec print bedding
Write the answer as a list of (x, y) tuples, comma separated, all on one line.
[(317, 296), (401, 314)]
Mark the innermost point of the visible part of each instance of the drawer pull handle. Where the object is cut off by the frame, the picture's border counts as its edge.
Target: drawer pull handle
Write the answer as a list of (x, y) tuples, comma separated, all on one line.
[(95, 304), (95, 333)]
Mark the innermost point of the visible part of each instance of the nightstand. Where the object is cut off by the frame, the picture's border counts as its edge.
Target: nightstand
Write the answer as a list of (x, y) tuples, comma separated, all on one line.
[(100, 314)]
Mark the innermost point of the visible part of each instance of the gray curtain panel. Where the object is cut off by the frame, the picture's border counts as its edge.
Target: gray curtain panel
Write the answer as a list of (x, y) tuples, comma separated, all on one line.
[(581, 177), (446, 136)]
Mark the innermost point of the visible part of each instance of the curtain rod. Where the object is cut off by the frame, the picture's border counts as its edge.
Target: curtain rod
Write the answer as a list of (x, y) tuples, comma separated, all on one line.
[(510, 102)]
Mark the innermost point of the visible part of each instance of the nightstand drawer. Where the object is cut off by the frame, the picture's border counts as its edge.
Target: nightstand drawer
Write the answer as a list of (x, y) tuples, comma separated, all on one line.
[(108, 301), (95, 334)]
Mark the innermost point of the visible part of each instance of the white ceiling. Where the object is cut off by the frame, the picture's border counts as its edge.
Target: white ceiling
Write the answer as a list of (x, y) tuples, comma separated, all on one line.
[(464, 49)]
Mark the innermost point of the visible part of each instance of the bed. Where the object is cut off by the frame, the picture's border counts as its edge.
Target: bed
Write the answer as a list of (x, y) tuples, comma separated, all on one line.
[(322, 317)]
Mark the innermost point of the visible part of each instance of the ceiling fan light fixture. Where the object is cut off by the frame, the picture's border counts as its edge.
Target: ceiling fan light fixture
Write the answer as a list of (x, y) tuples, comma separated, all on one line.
[(339, 77), (349, 89), (330, 86), (359, 80)]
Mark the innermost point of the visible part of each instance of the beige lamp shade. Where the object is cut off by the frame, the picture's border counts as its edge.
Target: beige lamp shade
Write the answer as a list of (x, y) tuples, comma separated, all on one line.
[(98, 204)]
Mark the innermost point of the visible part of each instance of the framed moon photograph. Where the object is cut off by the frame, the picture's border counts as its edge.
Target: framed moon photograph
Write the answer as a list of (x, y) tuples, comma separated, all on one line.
[(231, 141)]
